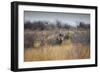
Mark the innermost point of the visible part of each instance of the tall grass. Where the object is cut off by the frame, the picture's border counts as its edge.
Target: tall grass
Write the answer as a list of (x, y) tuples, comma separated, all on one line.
[(66, 51)]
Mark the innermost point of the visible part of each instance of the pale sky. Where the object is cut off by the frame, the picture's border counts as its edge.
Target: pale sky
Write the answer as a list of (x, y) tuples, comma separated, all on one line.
[(70, 18)]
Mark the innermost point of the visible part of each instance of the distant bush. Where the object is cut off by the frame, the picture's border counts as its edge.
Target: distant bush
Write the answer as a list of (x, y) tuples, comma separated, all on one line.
[(45, 25), (69, 35), (82, 25), (81, 37), (28, 40), (35, 25)]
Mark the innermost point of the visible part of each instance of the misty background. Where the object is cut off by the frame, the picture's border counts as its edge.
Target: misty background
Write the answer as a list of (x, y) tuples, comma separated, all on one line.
[(72, 19)]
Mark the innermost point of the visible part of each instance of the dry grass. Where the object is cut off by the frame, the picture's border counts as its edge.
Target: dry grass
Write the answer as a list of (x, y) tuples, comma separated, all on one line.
[(66, 51)]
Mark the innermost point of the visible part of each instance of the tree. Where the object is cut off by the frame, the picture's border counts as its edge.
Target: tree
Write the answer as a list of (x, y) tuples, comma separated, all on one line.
[(58, 23), (82, 25)]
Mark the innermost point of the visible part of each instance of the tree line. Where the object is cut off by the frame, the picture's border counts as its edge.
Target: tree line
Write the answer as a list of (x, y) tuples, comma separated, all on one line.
[(45, 25)]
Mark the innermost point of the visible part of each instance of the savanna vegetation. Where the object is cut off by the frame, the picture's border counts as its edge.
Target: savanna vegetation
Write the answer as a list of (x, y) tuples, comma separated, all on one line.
[(56, 41)]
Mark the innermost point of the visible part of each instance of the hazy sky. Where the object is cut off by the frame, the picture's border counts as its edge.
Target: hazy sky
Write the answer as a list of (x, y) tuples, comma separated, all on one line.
[(70, 18)]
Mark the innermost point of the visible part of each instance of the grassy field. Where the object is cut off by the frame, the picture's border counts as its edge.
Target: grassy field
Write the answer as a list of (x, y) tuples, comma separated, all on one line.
[(74, 48)]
